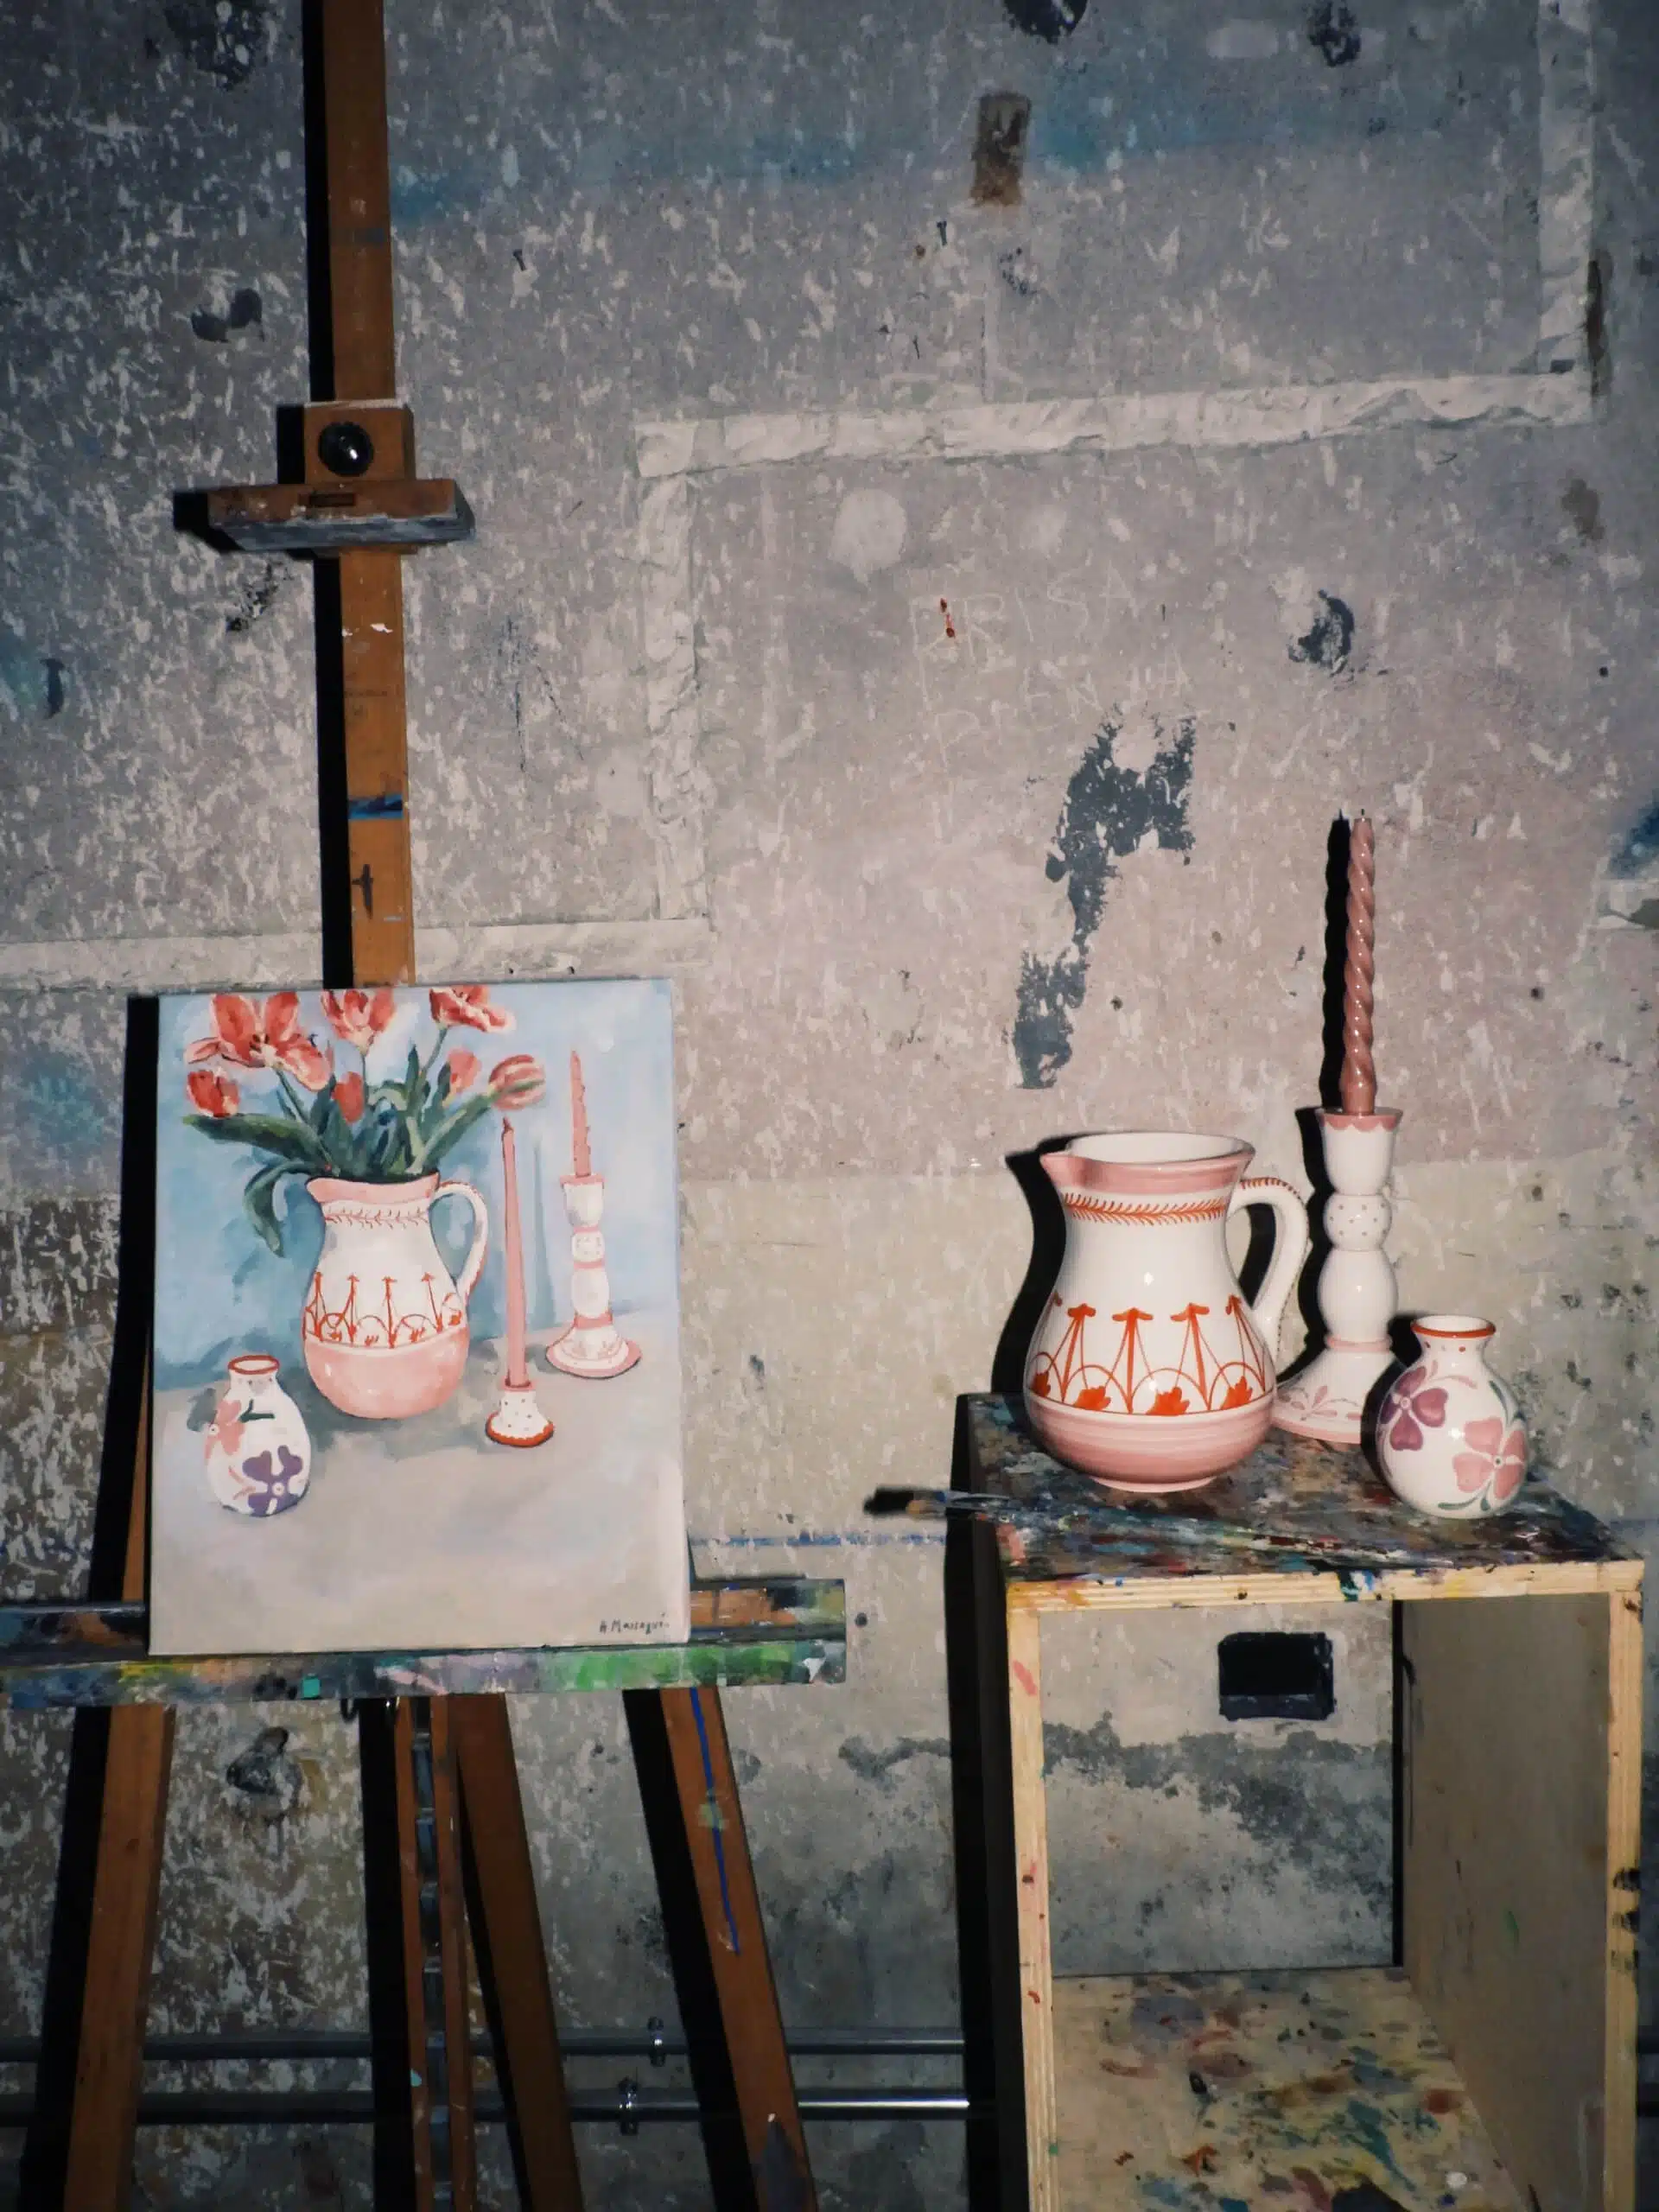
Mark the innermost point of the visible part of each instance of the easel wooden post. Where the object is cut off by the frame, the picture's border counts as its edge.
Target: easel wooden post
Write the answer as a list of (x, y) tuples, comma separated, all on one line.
[(440, 1790)]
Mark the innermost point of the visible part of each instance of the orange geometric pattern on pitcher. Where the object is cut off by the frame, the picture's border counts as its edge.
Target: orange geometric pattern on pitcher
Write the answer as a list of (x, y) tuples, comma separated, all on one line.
[(381, 1328), (1201, 1380)]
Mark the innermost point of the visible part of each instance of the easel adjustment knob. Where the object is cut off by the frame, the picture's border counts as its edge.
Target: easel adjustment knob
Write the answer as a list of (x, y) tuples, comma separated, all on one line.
[(347, 448)]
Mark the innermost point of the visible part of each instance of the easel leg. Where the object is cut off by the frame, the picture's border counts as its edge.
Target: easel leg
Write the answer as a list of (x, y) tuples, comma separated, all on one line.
[(121, 1938), (507, 1935), (424, 2148), (121, 1925), (701, 1853)]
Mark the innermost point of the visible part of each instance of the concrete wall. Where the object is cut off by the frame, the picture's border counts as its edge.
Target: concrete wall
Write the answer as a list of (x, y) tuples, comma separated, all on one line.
[(961, 725)]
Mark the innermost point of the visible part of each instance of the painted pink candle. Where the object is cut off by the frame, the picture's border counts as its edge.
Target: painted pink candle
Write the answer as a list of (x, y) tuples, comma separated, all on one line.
[(1358, 1083), (518, 1376), (582, 1164)]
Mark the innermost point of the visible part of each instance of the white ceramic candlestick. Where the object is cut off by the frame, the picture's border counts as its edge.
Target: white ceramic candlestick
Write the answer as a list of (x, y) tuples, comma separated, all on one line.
[(1326, 1399), (593, 1345)]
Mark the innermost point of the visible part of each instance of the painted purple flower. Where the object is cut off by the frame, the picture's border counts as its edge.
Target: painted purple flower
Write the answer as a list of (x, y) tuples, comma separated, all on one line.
[(1415, 1407), (267, 1492)]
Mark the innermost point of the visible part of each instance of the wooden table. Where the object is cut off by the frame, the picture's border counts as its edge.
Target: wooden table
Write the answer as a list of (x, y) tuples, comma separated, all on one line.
[(1500, 2046)]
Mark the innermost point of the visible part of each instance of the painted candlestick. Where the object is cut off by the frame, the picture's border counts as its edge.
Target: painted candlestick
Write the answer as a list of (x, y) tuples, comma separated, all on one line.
[(1357, 1287), (593, 1345), (518, 1419)]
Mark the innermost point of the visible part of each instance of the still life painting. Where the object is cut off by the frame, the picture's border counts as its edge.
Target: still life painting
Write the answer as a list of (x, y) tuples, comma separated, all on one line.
[(416, 1339)]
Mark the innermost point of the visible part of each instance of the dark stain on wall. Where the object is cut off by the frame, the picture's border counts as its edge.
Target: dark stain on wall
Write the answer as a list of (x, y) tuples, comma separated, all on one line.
[(265, 1780), (1016, 272), (1109, 812), (1333, 28), (871, 1765), (1051, 20), (256, 595), (1324, 1806), (1581, 504), (1598, 287), (1329, 639), (225, 39), (246, 308), (1000, 149)]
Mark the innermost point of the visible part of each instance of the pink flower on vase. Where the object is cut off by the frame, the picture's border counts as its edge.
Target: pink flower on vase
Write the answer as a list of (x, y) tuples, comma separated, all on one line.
[(359, 1017), (252, 1036), (225, 1429), (213, 1093), (349, 1096), (463, 1068), (1416, 1409), (518, 1082), (1497, 1459), (467, 1006)]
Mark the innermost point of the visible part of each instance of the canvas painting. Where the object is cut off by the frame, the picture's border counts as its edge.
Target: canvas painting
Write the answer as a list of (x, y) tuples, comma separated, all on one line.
[(416, 1339)]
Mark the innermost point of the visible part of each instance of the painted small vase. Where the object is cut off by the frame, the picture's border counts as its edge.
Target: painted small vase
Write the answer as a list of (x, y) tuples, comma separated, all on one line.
[(258, 1452), (1449, 1433)]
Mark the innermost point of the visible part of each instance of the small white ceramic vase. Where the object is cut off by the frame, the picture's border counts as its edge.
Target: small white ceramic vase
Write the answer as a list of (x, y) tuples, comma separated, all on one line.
[(1449, 1433), (259, 1451)]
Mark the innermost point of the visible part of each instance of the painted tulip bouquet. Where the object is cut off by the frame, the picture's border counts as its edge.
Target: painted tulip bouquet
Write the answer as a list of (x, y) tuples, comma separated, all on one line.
[(358, 1128)]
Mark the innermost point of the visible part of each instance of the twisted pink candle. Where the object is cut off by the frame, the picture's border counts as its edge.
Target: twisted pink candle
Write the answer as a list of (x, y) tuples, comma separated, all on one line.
[(1358, 1086), (518, 1376), (581, 1163)]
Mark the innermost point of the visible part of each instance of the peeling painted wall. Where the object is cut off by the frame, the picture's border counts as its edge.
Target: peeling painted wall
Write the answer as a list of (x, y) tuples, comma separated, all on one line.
[(937, 626)]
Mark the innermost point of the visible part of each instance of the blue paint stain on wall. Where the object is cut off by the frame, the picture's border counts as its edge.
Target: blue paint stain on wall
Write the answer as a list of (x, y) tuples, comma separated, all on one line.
[(1109, 812), (63, 1115), (35, 683), (416, 199), (1639, 849)]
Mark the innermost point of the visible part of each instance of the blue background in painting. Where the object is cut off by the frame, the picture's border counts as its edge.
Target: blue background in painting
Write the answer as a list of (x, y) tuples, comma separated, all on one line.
[(220, 1290)]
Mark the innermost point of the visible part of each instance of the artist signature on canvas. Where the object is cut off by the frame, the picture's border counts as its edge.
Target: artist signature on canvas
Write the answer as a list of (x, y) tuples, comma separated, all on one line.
[(658, 1622)]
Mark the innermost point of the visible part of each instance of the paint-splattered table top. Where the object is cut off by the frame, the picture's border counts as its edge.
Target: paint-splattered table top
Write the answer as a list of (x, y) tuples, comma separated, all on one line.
[(1267, 2091), (1293, 1509)]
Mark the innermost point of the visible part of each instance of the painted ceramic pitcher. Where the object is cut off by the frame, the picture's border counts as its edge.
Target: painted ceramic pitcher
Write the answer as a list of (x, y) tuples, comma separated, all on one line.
[(1148, 1370), (384, 1326)]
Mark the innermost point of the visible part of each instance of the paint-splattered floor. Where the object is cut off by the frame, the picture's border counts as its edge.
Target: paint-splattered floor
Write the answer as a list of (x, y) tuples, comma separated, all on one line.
[(1220, 2093)]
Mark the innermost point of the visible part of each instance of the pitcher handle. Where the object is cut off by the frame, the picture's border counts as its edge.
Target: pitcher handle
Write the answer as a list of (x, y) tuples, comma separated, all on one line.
[(473, 1266), (1290, 1248)]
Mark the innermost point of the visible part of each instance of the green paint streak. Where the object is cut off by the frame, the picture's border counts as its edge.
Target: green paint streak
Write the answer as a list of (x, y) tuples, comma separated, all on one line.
[(1368, 2127), (773, 1661), (1512, 1928)]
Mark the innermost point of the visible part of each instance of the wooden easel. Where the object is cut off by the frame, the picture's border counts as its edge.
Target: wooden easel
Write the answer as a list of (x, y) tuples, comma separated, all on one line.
[(445, 1840)]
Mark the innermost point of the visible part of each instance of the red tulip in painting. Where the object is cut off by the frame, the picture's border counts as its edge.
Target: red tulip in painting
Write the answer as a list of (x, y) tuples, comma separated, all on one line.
[(321, 1121)]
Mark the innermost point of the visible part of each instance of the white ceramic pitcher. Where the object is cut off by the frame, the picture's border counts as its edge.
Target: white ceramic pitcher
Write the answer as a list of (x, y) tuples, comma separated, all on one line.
[(1148, 1370)]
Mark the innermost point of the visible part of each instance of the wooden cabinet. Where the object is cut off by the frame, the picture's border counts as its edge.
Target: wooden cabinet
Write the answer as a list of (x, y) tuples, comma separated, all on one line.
[(1493, 2063)]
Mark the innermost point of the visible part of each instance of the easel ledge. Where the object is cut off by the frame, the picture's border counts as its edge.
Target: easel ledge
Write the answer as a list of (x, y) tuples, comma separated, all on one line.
[(748, 1632)]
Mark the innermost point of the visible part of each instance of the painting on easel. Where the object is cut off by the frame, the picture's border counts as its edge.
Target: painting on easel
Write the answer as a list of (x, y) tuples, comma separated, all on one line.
[(417, 1347)]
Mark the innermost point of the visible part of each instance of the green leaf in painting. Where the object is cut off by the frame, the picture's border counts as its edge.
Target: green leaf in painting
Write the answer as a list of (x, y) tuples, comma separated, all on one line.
[(290, 1140), (464, 1118), (259, 1202)]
